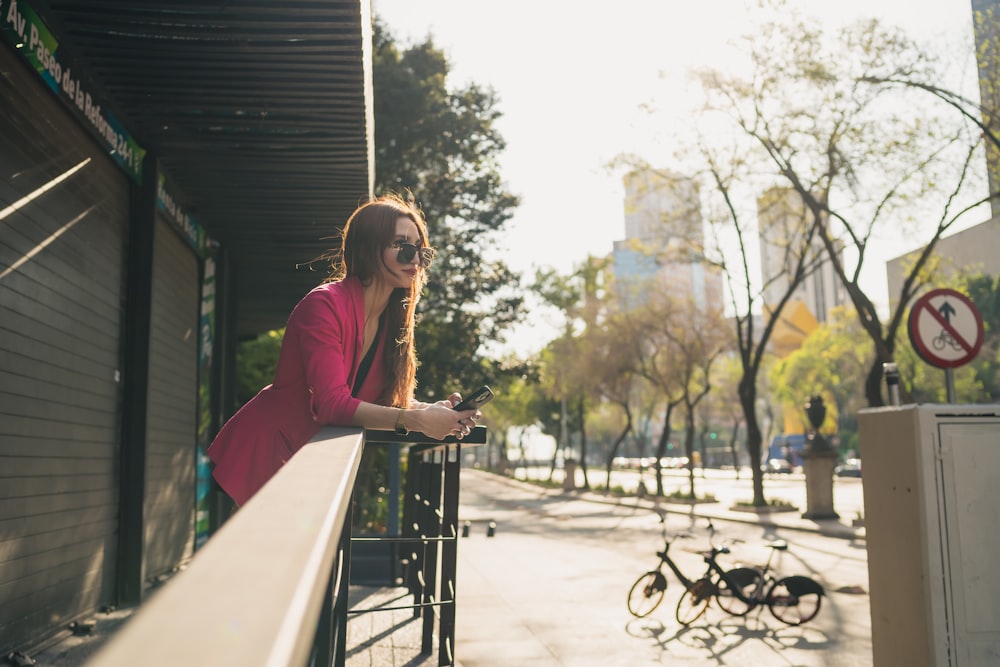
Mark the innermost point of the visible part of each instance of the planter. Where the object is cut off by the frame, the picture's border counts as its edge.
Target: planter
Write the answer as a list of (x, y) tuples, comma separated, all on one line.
[(688, 501), (768, 509)]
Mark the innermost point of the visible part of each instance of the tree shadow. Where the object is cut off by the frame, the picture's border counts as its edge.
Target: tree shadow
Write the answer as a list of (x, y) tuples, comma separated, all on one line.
[(716, 638)]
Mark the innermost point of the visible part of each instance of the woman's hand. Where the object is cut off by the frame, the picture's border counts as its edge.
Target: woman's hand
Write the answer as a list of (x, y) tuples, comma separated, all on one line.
[(440, 420)]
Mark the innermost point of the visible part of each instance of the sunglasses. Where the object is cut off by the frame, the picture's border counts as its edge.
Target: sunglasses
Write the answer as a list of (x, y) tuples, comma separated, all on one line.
[(407, 251)]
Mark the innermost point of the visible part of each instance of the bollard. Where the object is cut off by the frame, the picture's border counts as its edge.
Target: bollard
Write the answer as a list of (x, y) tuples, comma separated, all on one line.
[(891, 373), (491, 529), (465, 528)]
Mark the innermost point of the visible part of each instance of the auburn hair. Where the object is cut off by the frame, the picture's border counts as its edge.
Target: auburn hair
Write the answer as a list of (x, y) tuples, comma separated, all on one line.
[(364, 238)]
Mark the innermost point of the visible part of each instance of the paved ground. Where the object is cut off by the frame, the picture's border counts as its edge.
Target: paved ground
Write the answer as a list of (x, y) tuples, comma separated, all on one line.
[(550, 589)]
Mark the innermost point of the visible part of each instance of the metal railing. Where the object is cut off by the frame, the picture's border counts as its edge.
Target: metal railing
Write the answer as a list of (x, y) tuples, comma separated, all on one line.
[(429, 536), (270, 588)]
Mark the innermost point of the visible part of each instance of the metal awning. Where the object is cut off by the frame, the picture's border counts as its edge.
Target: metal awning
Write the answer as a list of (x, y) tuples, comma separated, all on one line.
[(258, 112)]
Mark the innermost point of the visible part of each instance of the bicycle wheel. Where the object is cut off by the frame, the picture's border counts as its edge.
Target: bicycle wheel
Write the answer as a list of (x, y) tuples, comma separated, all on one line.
[(737, 590), (694, 601), (795, 600), (646, 593)]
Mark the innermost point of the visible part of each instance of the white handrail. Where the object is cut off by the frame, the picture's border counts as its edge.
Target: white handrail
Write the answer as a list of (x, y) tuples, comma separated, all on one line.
[(253, 595)]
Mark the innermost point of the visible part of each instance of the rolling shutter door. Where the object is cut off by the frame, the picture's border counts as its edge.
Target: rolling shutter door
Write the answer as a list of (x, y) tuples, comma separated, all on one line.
[(63, 217), (172, 413)]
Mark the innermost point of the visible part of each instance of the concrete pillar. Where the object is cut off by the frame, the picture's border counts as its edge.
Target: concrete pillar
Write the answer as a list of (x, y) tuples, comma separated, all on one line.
[(818, 467)]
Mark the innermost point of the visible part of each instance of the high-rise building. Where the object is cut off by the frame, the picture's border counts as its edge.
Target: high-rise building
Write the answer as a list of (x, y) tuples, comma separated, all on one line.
[(781, 215), (664, 242), (986, 30), (971, 250)]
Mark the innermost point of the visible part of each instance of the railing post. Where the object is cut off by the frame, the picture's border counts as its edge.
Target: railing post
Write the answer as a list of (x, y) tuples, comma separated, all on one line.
[(322, 655), (343, 587), (430, 528), (411, 515), (449, 554)]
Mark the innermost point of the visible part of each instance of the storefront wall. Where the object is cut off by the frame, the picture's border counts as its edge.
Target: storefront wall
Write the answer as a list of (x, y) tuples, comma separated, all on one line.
[(172, 403), (63, 221), (70, 533)]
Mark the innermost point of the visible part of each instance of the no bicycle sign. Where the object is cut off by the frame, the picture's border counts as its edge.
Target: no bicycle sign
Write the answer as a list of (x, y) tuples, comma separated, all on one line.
[(945, 328)]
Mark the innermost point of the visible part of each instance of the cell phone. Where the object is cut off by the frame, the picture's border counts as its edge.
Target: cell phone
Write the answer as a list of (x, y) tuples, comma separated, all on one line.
[(476, 399)]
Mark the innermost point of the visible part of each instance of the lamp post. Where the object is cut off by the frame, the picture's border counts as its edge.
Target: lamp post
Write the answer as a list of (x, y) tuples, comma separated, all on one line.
[(818, 461)]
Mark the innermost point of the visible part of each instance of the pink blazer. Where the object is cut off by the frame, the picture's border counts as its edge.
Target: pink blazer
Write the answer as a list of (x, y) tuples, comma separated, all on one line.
[(319, 359)]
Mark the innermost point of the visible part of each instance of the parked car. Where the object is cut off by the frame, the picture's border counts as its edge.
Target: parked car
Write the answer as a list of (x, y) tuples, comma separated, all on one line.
[(777, 466), (849, 468), (675, 462)]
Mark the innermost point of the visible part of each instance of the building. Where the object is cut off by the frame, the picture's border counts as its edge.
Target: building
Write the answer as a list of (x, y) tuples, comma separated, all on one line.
[(972, 250), (164, 168), (969, 251), (986, 30), (781, 216), (664, 241)]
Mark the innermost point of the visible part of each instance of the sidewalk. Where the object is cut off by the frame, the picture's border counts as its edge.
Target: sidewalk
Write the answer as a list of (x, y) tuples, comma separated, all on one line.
[(392, 639), (789, 519), (486, 616)]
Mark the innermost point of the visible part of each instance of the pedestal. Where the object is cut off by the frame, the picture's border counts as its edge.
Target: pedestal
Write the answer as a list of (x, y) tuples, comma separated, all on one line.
[(569, 480), (818, 467)]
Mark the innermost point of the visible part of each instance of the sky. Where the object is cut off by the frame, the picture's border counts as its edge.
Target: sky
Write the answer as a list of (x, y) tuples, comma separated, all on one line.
[(575, 81)]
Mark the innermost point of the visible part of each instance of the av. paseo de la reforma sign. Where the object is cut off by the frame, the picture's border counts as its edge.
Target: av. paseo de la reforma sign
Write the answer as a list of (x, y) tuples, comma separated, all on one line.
[(25, 31)]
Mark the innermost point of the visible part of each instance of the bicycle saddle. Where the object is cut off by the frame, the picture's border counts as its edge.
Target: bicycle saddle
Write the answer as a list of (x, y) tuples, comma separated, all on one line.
[(779, 545)]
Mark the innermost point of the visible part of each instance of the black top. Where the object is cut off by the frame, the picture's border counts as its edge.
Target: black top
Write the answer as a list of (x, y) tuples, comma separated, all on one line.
[(366, 363)]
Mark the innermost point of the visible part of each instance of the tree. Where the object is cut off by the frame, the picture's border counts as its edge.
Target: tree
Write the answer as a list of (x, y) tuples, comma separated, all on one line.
[(520, 404), (581, 299), (440, 146), (660, 361), (613, 374), (701, 338), (256, 360), (832, 363), (985, 293), (723, 405), (863, 161), (725, 170)]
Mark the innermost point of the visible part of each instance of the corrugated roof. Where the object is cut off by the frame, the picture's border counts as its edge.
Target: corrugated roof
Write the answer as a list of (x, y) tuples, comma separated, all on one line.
[(258, 112)]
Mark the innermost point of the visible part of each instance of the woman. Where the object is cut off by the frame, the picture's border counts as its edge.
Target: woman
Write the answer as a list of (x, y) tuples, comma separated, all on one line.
[(347, 358)]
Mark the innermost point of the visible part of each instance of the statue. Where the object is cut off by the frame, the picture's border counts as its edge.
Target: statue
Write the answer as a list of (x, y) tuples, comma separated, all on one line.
[(818, 460), (816, 412)]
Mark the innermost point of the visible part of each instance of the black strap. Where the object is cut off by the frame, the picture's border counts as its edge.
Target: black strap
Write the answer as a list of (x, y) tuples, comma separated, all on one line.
[(366, 363)]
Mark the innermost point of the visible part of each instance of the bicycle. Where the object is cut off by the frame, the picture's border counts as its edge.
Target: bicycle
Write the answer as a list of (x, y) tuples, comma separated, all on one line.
[(792, 600)]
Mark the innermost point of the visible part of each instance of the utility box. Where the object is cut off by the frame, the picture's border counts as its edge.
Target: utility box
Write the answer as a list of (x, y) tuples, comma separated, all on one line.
[(932, 523)]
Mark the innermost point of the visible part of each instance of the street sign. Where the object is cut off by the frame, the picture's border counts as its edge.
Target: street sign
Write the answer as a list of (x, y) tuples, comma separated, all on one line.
[(946, 328)]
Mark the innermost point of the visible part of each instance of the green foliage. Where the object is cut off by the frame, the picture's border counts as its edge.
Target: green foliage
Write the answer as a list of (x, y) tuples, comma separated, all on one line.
[(441, 145), (773, 503), (689, 496), (371, 492), (256, 361), (832, 362), (985, 293)]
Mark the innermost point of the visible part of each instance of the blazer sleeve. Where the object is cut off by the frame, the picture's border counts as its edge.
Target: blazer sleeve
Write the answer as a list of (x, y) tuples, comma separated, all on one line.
[(327, 349)]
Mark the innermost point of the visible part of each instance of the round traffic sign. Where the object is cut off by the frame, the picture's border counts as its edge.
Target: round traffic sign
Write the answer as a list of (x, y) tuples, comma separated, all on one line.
[(946, 328)]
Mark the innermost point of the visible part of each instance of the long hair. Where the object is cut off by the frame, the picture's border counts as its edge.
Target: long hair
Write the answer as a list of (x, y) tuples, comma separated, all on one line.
[(369, 230)]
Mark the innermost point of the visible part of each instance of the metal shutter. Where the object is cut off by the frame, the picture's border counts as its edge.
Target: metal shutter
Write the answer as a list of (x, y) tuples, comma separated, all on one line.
[(63, 216), (173, 394)]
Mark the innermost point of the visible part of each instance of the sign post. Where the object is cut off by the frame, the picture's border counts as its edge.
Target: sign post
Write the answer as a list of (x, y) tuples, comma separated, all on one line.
[(946, 330)]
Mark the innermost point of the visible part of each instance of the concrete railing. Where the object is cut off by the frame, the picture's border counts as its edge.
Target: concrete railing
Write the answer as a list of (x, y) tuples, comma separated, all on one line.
[(254, 594)]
